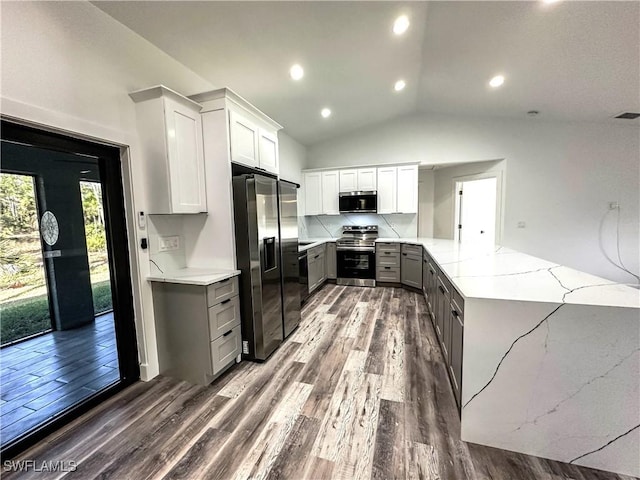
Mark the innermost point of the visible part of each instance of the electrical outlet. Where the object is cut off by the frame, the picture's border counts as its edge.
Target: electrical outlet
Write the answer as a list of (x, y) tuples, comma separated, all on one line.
[(614, 205), (166, 244), (521, 224)]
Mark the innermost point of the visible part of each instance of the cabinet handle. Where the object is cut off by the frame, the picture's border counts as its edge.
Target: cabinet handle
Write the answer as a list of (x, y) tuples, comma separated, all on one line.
[(317, 256), (454, 313), (440, 288), (404, 254), (431, 272), (227, 334), (225, 301), (387, 268)]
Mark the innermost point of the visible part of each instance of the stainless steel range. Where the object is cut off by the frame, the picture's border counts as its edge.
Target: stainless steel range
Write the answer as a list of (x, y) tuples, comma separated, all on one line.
[(356, 256)]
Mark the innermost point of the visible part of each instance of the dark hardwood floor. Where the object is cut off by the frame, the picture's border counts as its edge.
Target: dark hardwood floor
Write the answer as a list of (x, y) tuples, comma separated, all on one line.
[(358, 391), (45, 375)]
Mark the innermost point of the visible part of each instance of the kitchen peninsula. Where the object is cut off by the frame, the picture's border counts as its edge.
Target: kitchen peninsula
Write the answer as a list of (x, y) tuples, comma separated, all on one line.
[(550, 356)]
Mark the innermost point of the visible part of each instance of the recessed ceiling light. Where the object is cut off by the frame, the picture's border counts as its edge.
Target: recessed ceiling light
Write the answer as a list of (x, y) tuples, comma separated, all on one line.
[(296, 72), (401, 25), (549, 1), (84, 172), (325, 112), (399, 85), (496, 81)]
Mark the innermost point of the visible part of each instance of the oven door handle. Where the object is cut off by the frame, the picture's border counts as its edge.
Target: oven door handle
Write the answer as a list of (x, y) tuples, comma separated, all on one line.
[(356, 249)]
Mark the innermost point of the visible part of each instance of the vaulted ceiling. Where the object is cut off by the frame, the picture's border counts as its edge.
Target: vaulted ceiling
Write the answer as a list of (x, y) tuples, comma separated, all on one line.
[(571, 60)]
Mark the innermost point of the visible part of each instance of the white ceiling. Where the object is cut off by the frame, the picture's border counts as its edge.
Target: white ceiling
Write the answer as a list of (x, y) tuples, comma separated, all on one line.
[(569, 60)]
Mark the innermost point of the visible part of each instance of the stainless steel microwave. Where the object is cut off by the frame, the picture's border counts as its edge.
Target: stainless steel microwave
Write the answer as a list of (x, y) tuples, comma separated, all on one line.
[(358, 202)]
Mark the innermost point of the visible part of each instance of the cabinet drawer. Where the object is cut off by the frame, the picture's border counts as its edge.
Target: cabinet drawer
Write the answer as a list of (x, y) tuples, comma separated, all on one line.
[(387, 247), (219, 292), (223, 317), (225, 349), (415, 250), (457, 300), (392, 260), (388, 274)]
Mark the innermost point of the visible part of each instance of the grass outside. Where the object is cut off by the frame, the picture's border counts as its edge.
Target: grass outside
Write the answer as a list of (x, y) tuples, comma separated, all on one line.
[(22, 318)]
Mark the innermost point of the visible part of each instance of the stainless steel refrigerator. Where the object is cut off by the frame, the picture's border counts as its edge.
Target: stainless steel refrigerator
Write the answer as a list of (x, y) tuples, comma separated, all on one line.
[(255, 200), (289, 246)]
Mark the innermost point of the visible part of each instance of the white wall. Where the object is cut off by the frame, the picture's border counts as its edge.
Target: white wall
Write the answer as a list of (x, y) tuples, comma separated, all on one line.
[(426, 191), (293, 158), (560, 177), (69, 66)]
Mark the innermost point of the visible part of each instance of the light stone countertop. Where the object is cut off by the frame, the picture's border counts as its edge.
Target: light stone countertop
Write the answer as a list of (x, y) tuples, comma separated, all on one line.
[(315, 242), (503, 274), (194, 276)]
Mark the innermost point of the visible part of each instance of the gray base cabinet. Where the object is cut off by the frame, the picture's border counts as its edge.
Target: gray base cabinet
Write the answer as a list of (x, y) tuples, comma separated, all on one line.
[(332, 266), (387, 262), (316, 267), (446, 308), (411, 266), (455, 350), (198, 329)]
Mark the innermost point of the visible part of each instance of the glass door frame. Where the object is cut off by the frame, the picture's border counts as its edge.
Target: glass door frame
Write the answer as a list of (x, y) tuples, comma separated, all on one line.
[(111, 179)]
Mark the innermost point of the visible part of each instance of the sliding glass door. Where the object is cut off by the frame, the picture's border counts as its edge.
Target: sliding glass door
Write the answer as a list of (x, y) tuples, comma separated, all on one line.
[(67, 337)]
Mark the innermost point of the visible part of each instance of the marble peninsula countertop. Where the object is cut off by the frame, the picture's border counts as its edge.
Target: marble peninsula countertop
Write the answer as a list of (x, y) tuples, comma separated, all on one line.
[(313, 242), (503, 274), (194, 276)]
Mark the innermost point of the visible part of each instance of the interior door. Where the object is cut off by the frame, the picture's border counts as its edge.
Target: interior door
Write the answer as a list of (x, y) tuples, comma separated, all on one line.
[(477, 224)]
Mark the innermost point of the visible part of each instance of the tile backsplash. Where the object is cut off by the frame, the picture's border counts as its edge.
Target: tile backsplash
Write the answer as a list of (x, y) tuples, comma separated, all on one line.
[(330, 226)]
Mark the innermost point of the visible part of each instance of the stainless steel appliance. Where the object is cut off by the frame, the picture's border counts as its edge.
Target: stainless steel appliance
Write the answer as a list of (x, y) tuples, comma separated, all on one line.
[(288, 198), (358, 202), (255, 200), (356, 256)]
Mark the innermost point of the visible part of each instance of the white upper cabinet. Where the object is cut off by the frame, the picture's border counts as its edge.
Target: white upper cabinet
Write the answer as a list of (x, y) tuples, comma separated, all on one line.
[(253, 136), (170, 131), (252, 145), (349, 180), (313, 193), (244, 140), (268, 151), (387, 189), (330, 193), (407, 189), (397, 188), (367, 179), (358, 179)]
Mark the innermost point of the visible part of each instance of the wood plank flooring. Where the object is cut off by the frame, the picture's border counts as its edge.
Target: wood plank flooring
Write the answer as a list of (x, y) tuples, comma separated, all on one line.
[(358, 391), (45, 375)]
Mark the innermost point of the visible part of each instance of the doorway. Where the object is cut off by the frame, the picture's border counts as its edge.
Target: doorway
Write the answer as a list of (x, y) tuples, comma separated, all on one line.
[(476, 212), (67, 340)]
